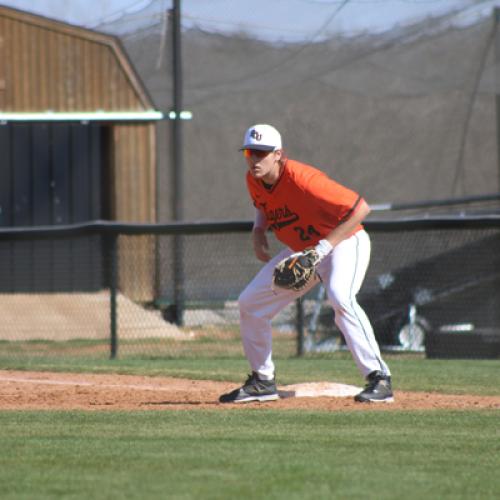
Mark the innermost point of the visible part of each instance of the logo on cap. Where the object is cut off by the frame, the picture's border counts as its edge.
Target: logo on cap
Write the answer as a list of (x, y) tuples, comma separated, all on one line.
[(255, 135)]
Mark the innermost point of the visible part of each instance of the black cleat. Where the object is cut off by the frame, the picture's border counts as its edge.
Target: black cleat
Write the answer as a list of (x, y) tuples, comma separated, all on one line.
[(377, 390), (253, 389)]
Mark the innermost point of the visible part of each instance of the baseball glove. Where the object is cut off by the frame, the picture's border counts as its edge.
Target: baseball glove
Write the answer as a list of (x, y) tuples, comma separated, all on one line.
[(296, 271)]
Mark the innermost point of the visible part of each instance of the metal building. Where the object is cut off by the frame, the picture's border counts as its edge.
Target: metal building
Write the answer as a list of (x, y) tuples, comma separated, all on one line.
[(77, 140)]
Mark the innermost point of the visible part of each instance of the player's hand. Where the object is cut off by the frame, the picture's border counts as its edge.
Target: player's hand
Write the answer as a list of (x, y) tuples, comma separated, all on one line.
[(260, 244)]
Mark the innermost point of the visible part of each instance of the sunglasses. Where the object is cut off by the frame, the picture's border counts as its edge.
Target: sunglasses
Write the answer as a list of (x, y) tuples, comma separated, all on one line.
[(256, 153)]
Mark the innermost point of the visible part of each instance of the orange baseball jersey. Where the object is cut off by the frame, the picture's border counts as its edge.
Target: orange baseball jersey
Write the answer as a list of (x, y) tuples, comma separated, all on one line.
[(304, 204)]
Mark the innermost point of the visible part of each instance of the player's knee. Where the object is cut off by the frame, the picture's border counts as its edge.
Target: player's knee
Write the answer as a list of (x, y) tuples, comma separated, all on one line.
[(245, 300), (341, 302)]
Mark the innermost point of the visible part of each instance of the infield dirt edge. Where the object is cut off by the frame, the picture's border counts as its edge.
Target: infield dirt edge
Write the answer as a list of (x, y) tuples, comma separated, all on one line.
[(34, 390)]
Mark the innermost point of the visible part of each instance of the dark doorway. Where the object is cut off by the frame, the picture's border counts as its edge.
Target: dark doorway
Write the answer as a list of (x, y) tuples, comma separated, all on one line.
[(52, 174)]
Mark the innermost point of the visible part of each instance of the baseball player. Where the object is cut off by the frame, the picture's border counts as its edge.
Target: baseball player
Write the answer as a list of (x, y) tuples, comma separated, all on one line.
[(305, 209)]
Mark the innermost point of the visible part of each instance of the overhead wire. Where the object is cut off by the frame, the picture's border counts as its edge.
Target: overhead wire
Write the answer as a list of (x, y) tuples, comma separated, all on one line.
[(294, 54), (432, 34), (290, 57), (122, 10), (408, 34), (225, 85), (470, 104)]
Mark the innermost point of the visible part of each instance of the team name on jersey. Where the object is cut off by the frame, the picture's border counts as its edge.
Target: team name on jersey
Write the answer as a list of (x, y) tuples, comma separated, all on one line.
[(278, 218)]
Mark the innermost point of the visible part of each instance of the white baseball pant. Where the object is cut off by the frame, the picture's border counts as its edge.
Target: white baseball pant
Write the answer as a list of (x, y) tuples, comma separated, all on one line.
[(342, 273)]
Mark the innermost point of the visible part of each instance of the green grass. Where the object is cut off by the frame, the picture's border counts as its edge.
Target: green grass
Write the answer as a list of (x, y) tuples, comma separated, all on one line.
[(249, 453), (410, 372), (257, 452)]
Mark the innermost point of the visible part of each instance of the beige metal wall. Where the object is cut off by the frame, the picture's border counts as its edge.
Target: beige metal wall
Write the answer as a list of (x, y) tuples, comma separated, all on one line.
[(135, 200), (134, 175)]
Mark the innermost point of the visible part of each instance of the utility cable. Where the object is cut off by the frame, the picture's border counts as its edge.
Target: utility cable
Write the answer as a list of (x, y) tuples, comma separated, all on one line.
[(482, 62), (285, 60)]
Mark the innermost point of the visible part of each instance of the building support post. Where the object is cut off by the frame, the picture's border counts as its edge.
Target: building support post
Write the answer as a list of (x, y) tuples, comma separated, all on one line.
[(177, 162), (496, 19)]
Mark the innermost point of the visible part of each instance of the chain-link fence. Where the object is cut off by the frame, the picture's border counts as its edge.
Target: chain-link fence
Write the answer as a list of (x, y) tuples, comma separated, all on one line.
[(107, 289)]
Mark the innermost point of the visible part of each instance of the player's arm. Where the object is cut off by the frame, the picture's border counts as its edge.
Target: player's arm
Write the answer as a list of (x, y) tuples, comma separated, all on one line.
[(343, 230), (347, 208), (296, 271), (259, 238), (348, 225)]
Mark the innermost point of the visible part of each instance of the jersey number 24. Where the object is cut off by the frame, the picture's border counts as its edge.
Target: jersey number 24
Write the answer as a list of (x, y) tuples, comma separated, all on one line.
[(306, 234)]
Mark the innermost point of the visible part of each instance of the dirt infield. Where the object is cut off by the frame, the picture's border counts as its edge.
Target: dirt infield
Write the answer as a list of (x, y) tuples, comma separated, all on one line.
[(22, 390)]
